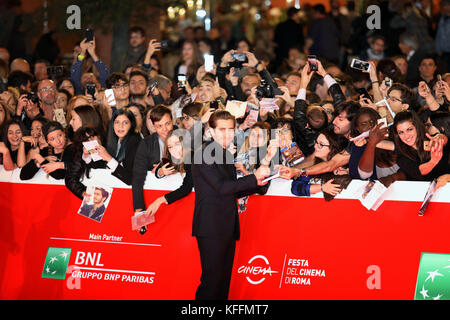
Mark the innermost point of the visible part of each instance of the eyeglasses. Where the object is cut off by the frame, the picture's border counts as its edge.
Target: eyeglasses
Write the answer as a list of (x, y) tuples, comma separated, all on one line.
[(394, 99), (321, 145), (47, 90)]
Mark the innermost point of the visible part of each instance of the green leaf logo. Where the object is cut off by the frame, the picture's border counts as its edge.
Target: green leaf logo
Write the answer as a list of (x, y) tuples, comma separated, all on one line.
[(56, 263), (433, 278)]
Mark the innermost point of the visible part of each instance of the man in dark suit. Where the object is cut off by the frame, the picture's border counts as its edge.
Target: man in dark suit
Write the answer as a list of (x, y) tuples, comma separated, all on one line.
[(96, 210), (149, 153), (216, 222)]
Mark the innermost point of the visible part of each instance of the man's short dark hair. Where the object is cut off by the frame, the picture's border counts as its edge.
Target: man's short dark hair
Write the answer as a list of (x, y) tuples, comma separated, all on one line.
[(292, 11), (376, 37), (320, 8), (139, 73), (430, 57), (137, 29), (18, 78), (407, 96), (220, 115), (350, 107), (158, 113), (42, 61), (114, 77), (280, 122), (105, 194)]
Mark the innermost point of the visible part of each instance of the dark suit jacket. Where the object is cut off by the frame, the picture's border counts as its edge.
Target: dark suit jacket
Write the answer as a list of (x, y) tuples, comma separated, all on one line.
[(216, 191), (98, 214), (75, 172), (147, 154), (124, 171)]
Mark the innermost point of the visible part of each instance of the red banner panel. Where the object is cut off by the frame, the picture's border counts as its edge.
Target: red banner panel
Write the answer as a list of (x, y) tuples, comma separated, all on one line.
[(290, 247)]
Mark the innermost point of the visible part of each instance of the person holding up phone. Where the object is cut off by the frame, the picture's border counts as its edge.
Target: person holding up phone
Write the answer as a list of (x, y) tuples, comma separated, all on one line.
[(150, 65), (76, 72)]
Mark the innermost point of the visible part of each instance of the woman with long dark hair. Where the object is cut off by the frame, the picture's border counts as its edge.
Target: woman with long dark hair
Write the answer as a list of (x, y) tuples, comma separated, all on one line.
[(190, 61), (82, 163), (122, 143), (13, 148), (420, 159), (86, 116)]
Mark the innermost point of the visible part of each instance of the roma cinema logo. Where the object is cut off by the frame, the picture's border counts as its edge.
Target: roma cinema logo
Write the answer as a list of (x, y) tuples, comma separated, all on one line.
[(256, 269)]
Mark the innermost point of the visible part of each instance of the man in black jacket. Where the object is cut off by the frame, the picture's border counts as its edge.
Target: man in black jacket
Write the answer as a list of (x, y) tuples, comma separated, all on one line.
[(216, 222), (149, 153)]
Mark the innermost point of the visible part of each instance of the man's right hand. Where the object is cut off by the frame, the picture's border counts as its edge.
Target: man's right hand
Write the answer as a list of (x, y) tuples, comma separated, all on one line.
[(261, 173)]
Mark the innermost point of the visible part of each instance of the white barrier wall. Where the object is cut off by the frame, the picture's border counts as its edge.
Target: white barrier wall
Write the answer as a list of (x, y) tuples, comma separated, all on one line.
[(399, 190)]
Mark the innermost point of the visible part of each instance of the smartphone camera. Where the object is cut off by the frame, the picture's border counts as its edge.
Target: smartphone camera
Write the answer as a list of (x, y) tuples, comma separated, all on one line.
[(163, 44), (90, 88), (89, 34), (214, 105), (181, 80), (360, 65), (312, 62)]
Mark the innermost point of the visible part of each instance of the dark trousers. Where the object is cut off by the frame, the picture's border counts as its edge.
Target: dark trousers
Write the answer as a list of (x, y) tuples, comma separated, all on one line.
[(216, 258)]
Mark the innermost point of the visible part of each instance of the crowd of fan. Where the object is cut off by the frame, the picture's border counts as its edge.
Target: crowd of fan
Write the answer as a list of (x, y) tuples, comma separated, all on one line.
[(154, 119)]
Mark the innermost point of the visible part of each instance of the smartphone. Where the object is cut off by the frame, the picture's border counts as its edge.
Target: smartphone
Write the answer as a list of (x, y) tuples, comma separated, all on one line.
[(164, 161), (439, 79), (109, 94), (312, 62), (209, 62), (383, 121), (163, 44), (152, 87), (388, 82), (89, 34), (90, 88), (214, 104), (427, 145), (181, 80), (360, 65), (364, 93), (60, 117), (239, 56)]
